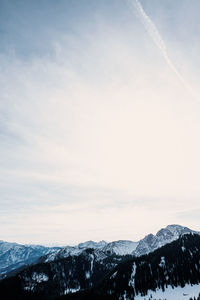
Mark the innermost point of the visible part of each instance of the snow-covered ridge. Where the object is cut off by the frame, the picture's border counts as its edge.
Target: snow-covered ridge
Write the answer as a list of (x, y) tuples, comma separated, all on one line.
[(13, 255), (164, 236), (121, 247), (124, 247), (102, 249)]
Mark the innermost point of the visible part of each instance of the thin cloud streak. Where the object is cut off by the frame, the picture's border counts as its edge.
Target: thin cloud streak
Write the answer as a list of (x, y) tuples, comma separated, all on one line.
[(153, 32)]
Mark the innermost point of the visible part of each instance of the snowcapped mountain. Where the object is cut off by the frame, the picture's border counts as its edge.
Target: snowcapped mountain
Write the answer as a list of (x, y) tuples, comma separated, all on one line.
[(73, 250), (163, 236), (92, 245), (122, 247), (13, 255)]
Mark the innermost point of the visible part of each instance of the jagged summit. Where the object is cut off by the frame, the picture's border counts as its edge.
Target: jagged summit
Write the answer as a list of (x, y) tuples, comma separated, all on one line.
[(164, 236), (179, 229)]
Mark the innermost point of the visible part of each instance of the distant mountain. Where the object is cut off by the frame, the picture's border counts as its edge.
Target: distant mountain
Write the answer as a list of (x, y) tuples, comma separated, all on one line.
[(121, 247), (92, 245), (164, 236), (73, 250), (13, 255)]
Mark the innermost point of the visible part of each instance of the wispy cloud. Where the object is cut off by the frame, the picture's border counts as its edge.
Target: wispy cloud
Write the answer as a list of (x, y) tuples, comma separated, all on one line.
[(153, 32)]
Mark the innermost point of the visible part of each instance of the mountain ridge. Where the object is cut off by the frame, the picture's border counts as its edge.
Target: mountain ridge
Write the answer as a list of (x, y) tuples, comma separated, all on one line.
[(14, 255), (112, 277)]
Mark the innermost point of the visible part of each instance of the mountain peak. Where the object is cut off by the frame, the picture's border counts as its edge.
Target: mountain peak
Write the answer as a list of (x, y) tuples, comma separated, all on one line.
[(92, 244), (162, 237)]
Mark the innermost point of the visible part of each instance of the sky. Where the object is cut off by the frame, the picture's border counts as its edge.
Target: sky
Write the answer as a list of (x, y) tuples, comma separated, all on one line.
[(99, 119)]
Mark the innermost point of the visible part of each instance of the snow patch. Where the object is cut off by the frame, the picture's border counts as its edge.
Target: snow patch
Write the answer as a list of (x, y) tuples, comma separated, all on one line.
[(40, 277), (113, 275), (183, 248), (132, 279), (92, 263), (87, 274), (162, 262), (71, 290)]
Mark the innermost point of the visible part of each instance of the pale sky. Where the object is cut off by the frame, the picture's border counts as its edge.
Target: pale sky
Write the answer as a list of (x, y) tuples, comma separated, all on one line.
[(99, 118)]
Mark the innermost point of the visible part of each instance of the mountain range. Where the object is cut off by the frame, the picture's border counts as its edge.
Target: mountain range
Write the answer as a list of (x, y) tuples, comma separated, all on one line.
[(14, 256), (47, 273)]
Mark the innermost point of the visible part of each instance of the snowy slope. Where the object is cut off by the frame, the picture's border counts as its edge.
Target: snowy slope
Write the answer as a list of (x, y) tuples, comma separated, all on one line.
[(177, 293), (121, 247), (92, 244), (62, 253), (73, 251), (13, 255)]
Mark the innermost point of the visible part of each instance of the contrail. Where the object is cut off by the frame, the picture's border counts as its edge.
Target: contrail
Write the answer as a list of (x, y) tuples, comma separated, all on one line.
[(153, 32)]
